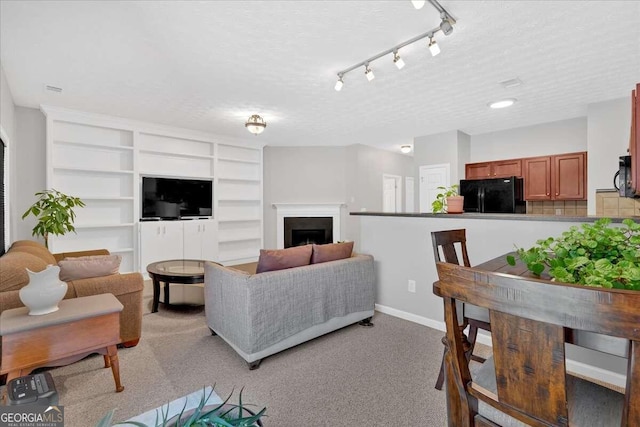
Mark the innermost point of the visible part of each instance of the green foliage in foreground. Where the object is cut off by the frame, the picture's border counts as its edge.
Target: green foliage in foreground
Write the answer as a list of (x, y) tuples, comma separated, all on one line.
[(220, 415), (593, 255)]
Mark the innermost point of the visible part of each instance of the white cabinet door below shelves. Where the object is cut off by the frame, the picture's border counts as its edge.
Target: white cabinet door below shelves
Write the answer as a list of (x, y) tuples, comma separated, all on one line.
[(200, 240), (160, 241)]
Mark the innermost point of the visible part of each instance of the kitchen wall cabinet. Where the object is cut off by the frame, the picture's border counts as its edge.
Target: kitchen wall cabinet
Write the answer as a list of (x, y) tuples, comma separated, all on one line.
[(497, 169), (560, 177)]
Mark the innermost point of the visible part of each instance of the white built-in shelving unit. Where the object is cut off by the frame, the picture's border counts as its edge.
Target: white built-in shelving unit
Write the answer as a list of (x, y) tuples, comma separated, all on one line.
[(102, 159)]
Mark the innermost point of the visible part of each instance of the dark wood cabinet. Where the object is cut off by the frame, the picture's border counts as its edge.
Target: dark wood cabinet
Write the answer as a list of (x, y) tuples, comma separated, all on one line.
[(634, 140), (497, 169), (477, 170), (537, 178), (560, 177)]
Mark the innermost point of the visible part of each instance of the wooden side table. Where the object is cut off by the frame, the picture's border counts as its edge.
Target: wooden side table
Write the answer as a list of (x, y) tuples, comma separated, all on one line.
[(80, 327)]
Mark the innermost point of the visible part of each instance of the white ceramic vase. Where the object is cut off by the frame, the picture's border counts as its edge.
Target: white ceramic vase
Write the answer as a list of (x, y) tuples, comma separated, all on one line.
[(44, 291)]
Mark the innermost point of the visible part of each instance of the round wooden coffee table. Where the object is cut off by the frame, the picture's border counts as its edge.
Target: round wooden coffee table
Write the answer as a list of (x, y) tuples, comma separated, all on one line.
[(182, 271)]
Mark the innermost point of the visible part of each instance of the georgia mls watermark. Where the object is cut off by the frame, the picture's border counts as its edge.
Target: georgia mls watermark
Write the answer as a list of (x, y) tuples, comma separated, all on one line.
[(31, 416)]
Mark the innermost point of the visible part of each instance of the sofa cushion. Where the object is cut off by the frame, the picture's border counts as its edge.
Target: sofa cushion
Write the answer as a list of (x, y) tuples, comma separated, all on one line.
[(331, 252), (279, 259), (35, 249), (13, 267), (89, 266)]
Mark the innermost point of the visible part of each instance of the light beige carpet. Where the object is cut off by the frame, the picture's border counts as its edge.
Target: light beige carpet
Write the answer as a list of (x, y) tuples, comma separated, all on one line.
[(357, 376)]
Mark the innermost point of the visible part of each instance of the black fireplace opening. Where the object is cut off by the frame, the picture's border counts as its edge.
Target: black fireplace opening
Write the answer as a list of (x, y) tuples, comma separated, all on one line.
[(299, 231)]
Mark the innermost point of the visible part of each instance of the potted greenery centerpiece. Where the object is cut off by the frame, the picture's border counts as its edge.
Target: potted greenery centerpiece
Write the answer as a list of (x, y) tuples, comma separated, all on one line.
[(54, 212), (593, 255), (448, 200), (216, 415)]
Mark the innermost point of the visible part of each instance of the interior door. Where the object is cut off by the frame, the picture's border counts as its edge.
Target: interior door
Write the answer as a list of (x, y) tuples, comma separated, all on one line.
[(409, 194), (389, 194), (432, 177)]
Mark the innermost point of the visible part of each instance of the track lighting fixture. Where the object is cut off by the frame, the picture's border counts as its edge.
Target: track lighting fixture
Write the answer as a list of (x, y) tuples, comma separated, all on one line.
[(255, 124), (417, 3), (398, 61), (433, 47), (446, 27), (405, 149), (368, 73)]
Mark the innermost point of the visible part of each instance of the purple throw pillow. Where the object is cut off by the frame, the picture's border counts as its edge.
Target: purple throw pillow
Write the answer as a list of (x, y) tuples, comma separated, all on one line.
[(279, 259), (331, 252)]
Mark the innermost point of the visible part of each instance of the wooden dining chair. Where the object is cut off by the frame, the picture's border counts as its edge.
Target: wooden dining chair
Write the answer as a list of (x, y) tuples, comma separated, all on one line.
[(525, 381), (444, 249)]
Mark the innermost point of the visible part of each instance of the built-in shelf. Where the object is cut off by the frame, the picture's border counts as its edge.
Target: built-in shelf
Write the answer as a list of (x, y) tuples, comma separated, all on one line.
[(171, 154), (116, 198), (92, 145), (166, 175), (239, 220), (238, 160), (240, 259), (93, 170), (240, 200), (120, 250), (238, 239), (122, 225), (239, 179)]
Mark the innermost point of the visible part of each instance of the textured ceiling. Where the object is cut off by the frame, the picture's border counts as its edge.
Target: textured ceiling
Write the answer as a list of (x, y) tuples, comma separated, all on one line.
[(208, 65)]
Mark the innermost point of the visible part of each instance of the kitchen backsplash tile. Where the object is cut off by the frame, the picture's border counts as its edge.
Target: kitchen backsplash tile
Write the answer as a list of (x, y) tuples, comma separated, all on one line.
[(609, 203), (558, 207)]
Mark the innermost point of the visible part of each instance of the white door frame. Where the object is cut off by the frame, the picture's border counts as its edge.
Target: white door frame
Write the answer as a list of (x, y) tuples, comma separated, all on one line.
[(425, 205), (398, 181)]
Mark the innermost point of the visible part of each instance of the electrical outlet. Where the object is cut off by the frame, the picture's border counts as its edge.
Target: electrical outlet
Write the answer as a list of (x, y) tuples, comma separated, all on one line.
[(412, 286)]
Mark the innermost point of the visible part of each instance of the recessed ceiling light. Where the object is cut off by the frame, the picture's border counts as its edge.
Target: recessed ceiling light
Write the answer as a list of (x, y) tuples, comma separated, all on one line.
[(508, 84), (503, 103), (406, 149), (52, 88)]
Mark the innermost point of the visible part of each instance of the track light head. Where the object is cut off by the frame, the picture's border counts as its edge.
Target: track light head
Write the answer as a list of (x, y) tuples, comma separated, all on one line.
[(339, 84), (368, 72), (433, 47), (398, 61), (418, 3), (446, 27)]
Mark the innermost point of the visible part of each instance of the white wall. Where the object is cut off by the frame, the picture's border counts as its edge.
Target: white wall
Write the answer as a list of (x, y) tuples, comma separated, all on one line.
[(608, 131), (565, 136), (351, 175), (7, 129), (30, 167)]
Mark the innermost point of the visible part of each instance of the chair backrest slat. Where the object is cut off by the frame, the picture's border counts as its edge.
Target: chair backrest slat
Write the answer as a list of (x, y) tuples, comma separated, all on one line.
[(447, 240)]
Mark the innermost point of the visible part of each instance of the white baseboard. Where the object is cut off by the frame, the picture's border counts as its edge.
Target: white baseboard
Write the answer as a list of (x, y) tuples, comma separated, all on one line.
[(573, 366)]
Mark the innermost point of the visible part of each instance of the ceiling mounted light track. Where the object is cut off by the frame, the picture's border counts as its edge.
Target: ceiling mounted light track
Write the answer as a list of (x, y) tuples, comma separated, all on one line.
[(446, 26)]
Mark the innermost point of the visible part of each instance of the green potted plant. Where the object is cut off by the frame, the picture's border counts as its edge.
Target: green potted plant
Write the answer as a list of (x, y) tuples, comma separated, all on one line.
[(54, 212), (217, 415), (593, 255), (448, 200)]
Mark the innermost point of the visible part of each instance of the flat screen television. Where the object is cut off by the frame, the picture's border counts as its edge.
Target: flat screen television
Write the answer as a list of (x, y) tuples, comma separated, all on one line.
[(175, 198)]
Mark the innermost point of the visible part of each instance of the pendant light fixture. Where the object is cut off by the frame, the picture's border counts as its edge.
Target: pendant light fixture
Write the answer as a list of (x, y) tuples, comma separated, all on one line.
[(255, 124)]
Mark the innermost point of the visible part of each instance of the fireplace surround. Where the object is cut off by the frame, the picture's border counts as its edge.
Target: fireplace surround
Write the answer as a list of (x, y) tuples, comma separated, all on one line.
[(313, 219)]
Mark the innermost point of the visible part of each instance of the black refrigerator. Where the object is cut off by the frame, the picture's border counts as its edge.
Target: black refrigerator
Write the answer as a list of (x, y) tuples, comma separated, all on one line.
[(496, 195)]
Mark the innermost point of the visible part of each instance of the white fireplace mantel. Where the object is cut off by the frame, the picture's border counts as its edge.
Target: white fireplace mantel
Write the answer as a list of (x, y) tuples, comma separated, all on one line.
[(286, 210)]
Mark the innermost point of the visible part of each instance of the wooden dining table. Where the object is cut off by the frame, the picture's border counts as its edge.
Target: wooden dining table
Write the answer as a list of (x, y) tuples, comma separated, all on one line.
[(591, 340)]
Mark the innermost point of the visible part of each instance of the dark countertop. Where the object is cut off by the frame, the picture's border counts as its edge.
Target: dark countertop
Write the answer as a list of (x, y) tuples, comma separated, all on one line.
[(508, 217)]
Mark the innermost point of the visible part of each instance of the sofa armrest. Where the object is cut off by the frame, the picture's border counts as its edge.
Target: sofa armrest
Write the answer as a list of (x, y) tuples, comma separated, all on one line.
[(116, 284), (62, 255), (226, 307)]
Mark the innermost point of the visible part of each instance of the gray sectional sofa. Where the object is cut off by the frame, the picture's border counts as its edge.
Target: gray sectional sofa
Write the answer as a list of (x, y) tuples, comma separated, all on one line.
[(262, 314)]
